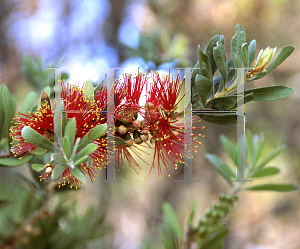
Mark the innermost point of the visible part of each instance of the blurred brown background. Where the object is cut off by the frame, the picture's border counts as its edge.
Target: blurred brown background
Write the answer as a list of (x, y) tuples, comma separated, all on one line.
[(156, 35)]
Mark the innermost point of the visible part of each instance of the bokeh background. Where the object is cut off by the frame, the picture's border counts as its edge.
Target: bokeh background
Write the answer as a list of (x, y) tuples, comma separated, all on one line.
[(88, 35)]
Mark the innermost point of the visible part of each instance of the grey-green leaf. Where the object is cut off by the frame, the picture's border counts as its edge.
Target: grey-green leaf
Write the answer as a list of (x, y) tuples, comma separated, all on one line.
[(13, 161), (236, 42), (283, 54), (269, 93), (87, 150), (171, 219), (70, 131), (204, 64), (36, 139), (93, 135), (67, 147), (224, 170), (204, 87), (9, 113), (89, 90), (283, 187), (222, 103), (58, 170), (28, 103), (221, 61), (58, 158), (265, 172), (271, 156), (2, 115), (79, 175), (221, 119), (251, 52), (37, 167), (83, 160), (245, 55), (229, 147)]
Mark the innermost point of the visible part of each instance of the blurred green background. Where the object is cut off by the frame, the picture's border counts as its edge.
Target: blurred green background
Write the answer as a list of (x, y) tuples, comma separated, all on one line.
[(155, 35)]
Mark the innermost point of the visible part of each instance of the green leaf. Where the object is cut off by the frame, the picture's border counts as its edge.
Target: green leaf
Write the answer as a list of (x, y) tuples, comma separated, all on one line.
[(271, 156), (37, 167), (222, 103), (58, 170), (251, 52), (221, 119), (204, 87), (231, 70), (36, 139), (75, 148), (58, 158), (224, 170), (244, 100), (70, 131), (269, 93), (283, 187), (245, 55), (236, 42), (67, 147), (63, 120), (204, 65), (209, 51), (83, 160), (250, 147), (9, 113), (171, 220), (89, 90), (39, 151), (92, 135), (87, 150), (216, 240), (221, 61), (229, 147), (28, 103), (265, 172), (79, 175), (13, 161), (2, 115), (283, 54)]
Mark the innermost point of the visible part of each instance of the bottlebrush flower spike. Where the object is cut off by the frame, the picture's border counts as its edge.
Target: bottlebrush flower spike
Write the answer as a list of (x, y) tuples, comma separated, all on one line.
[(87, 115), (167, 133)]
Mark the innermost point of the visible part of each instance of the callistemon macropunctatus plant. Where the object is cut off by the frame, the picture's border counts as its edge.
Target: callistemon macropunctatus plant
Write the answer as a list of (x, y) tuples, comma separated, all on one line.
[(134, 125)]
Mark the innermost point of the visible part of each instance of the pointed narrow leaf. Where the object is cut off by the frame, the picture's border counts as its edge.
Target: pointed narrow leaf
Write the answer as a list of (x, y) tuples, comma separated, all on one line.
[(283, 187), (36, 139), (58, 158), (209, 51), (265, 172), (269, 93), (250, 147), (67, 147), (224, 170), (63, 120), (171, 219), (89, 90), (245, 55), (283, 54), (221, 61), (14, 161), (83, 160), (87, 150), (236, 42), (2, 115), (9, 113), (79, 175), (58, 170), (222, 103), (75, 148), (28, 103), (251, 52), (271, 156), (204, 87), (229, 147), (204, 65), (70, 131), (37, 167), (93, 135), (39, 151), (221, 119)]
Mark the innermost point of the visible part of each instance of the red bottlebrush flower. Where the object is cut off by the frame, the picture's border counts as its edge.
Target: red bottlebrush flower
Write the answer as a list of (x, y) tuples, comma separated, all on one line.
[(167, 134), (87, 116)]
